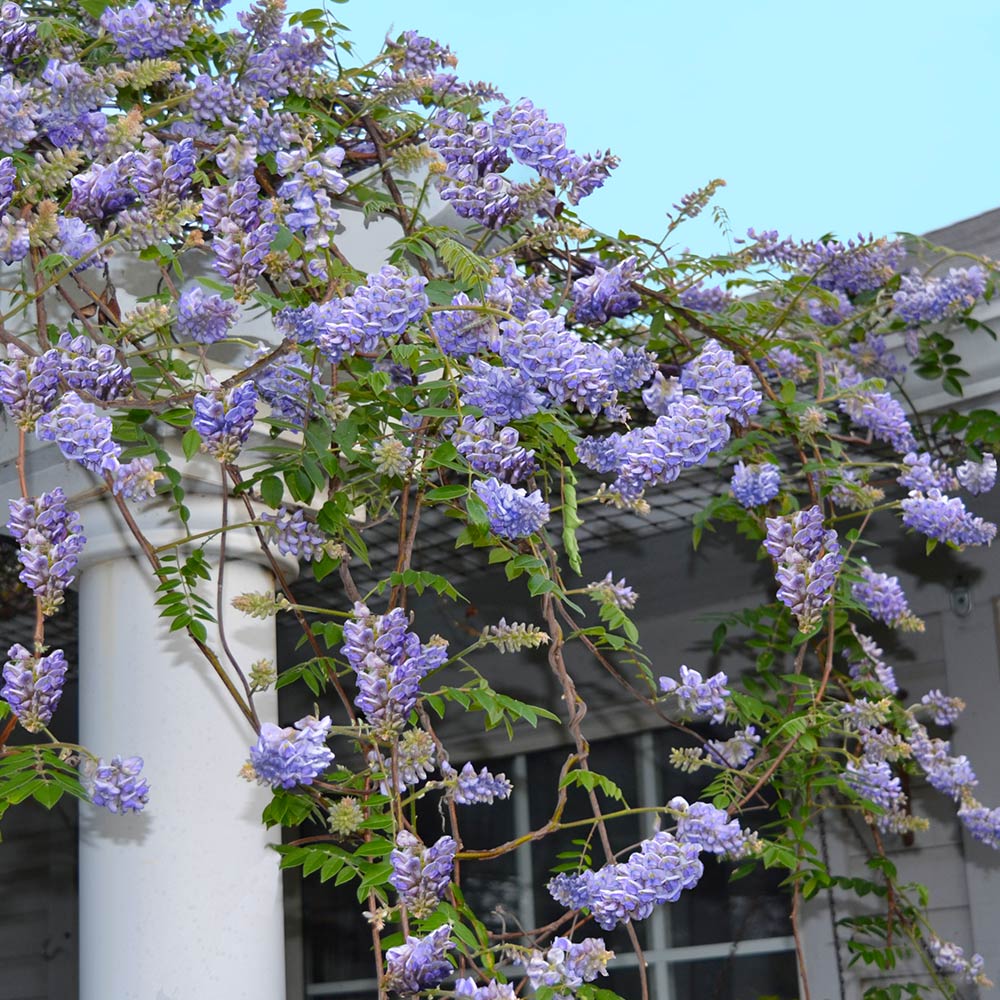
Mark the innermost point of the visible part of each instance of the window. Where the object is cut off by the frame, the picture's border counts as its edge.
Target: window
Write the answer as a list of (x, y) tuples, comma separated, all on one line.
[(724, 941)]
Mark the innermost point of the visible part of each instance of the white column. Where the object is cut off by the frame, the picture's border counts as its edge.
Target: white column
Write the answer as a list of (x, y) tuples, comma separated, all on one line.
[(183, 901)]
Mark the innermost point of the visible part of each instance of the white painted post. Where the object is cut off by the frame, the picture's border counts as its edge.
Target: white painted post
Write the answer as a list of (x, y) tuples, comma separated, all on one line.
[(181, 902)]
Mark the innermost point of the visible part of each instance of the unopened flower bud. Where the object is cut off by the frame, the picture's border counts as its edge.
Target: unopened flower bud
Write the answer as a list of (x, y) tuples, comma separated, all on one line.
[(346, 817), (260, 605)]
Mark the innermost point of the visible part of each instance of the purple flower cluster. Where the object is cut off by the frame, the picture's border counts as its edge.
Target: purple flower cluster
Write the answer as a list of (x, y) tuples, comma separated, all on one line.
[(147, 30), (808, 559), (924, 472), (503, 394), (296, 755), (88, 367), (50, 539), (471, 788), (225, 423), (734, 752), (755, 485), (661, 393), (461, 332), (983, 824), (926, 301), (657, 873), (874, 357), (716, 377), (950, 775), (493, 451), (202, 317), (871, 667), (513, 513), (33, 685), (82, 433), (117, 786), (945, 518), (606, 591), (881, 415), (882, 595), (294, 534), (567, 964), (420, 963), (950, 959), (18, 36), (413, 54), (421, 875), (711, 299), (710, 829), (380, 309), (830, 313), (606, 293), (466, 989), (390, 662), (944, 710), (978, 477), (874, 781), (698, 696), (853, 267), (286, 385), (136, 480), (309, 184)]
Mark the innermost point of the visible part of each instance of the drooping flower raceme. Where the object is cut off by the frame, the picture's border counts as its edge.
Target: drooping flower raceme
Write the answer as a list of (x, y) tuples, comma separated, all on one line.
[(389, 662), (657, 873), (606, 591), (420, 963), (710, 829), (117, 786), (567, 964), (882, 595), (978, 477), (296, 755), (421, 875), (469, 788), (33, 685), (513, 513), (82, 433), (50, 539), (606, 292), (204, 317), (697, 696), (224, 423), (925, 301), (755, 485), (493, 451), (945, 519), (808, 559), (294, 534)]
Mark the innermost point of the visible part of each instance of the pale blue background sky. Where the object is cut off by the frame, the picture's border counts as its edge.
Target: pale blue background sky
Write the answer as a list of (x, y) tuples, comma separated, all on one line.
[(822, 117)]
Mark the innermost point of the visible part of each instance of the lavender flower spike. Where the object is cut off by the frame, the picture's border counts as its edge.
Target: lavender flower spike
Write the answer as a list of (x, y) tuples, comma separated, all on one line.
[(699, 697), (513, 513), (420, 963), (294, 756), (469, 788), (420, 874), (117, 786), (33, 686)]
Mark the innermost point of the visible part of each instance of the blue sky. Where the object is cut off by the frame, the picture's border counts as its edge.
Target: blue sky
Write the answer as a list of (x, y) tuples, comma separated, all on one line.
[(877, 115)]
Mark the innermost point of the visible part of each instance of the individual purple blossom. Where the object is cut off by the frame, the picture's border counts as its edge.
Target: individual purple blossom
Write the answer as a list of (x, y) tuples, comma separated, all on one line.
[(33, 685), (945, 519), (50, 539), (147, 30), (657, 873), (920, 300), (978, 477), (567, 964), (698, 696), (389, 662), (294, 534), (606, 293), (756, 485), (735, 752), (710, 829), (117, 786), (224, 423), (470, 788), (606, 591), (513, 513), (421, 875), (83, 434), (720, 381), (944, 710), (419, 963), (296, 755), (881, 595), (493, 451), (808, 558), (204, 317), (503, 394), (924, 472)]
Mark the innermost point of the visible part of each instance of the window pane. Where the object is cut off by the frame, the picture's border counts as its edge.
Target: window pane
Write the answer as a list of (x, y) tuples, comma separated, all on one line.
[(749, 977)]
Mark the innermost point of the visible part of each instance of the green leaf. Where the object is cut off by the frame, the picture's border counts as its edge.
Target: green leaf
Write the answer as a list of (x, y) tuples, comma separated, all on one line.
[(272, 491)]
